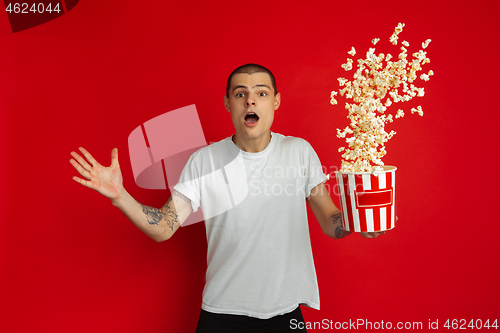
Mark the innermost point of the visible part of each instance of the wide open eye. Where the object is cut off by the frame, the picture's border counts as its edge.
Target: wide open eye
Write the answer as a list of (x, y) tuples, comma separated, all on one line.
[(262, 94), (240, 94)]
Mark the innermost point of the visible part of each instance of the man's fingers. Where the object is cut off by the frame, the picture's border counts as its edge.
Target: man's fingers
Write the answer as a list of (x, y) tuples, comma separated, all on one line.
[(80, 169), (114, 157), (80, 160), (85, 183), (372, 234), (89, 157)]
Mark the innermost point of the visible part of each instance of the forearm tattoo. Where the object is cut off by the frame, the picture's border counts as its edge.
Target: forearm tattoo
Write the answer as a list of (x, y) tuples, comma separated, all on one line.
[(337, 221), (166, 213), (154, 215), (170, 216)]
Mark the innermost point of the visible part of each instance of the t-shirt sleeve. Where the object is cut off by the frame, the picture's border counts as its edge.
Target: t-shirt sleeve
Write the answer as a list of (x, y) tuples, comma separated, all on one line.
[(189, 182), (314, 170)]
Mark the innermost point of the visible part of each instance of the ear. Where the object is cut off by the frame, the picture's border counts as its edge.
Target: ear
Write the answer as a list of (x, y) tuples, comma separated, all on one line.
[(277, 101), (226, 104)]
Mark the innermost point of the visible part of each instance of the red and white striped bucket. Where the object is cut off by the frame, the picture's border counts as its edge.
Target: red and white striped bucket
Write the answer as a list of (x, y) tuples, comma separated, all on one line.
[(367, 200)]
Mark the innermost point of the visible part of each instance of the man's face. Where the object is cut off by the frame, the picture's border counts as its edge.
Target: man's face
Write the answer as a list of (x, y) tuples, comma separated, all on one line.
[(252, 103)]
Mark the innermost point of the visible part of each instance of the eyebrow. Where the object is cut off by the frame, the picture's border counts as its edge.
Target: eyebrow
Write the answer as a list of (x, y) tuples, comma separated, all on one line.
[(257, 85)]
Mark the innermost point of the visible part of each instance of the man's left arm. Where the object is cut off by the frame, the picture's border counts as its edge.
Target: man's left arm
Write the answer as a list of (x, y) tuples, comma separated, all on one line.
[(329, 216)]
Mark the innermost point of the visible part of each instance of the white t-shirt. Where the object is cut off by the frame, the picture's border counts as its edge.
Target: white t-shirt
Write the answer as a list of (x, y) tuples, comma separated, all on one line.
[(260, 261)]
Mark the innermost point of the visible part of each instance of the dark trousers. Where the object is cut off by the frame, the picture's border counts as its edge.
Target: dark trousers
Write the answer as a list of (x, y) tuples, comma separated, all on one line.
[(220, 323)]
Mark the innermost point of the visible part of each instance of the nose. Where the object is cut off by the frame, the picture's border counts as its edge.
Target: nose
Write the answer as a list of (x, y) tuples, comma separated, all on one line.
[(250, 101)]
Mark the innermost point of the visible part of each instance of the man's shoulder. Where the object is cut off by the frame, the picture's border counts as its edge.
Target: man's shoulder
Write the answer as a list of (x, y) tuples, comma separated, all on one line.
[(218, 145), (292, 141), (214, 155)]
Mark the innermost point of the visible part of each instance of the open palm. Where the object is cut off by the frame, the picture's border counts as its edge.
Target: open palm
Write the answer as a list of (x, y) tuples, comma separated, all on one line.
[(106, 180)]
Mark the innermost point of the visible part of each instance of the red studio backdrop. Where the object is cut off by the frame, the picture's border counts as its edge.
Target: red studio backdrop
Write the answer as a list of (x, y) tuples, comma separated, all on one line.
[(71, 262)]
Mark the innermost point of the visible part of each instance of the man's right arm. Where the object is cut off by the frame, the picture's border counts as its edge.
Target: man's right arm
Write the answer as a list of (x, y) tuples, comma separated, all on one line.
[(158, 224)]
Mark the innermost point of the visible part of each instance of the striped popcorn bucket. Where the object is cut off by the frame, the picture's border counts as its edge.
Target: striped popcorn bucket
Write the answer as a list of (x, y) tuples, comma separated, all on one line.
[(367, 200)]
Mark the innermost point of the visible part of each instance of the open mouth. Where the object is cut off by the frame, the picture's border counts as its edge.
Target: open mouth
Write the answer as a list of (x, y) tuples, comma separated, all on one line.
[(251, 118)]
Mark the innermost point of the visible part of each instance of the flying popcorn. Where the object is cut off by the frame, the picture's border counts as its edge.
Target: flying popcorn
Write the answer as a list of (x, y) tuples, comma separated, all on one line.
[(347, 66), (397, 31), (377, 84), (417, 110)]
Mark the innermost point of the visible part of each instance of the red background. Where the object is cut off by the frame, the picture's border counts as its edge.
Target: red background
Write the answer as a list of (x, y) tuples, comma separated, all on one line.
[(71, 262)]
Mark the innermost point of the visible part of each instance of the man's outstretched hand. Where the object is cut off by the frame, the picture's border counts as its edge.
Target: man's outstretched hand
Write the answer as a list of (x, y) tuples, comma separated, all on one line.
[(106, 180)]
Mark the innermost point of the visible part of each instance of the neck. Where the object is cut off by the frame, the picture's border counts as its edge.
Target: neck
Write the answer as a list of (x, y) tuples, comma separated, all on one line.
[(252, 145)]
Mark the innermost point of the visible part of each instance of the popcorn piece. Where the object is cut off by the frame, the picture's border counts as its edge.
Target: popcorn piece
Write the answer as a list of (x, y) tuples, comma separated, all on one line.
[(333, 101), (399, 28), (375, 40), (370, 55), (393, 39), (405, 43), (342, 81), (426, 43), (347, 66), (417, 110), (397, 31), (352, 52)]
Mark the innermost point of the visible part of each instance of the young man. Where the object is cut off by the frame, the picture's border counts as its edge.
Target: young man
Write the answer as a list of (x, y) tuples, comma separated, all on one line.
[(260, 264)]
